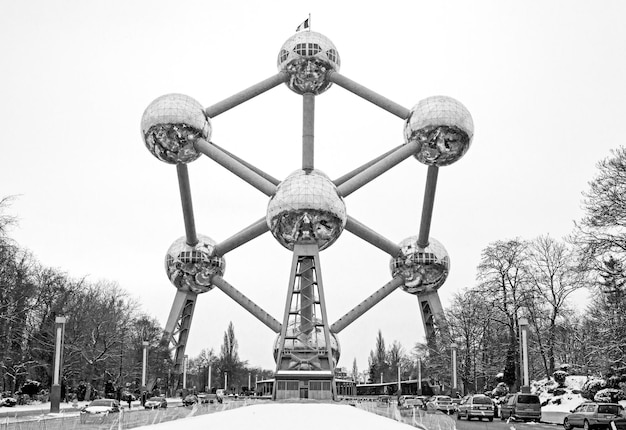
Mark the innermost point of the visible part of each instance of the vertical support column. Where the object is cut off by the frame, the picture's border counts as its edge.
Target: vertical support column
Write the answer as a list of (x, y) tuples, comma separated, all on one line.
[(55, 392), (308, 125), (302, 355)]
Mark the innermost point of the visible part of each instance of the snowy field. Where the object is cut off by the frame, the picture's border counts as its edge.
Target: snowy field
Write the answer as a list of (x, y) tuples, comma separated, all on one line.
[(285, 416)]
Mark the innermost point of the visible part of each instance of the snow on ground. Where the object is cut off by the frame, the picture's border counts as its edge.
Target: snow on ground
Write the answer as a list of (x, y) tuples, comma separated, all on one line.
[(286, 416)]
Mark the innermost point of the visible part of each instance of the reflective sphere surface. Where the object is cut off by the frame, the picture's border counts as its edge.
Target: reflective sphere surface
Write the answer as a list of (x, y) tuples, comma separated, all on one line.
[(190, 268), (306, 206), (443, 126), (308, 57), (423, 269), (306, 348), (170, 124)]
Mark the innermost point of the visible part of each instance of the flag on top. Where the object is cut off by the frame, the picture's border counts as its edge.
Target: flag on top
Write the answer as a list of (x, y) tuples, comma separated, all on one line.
[(305, 25)]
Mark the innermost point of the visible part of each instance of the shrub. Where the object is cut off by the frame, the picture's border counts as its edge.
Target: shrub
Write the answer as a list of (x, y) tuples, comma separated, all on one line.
[(31, 387), (591, 387), (609, 395), (559, 376)]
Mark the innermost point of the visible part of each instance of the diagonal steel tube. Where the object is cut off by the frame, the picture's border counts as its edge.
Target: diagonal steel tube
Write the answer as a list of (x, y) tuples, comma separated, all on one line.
[(236, 167), (369, 95), (247, 94), (380, 167), (366, 304), (365, 166), (185, 199), (427, 207), (258, 171), (370, 236), (247, 234), (246, 303)]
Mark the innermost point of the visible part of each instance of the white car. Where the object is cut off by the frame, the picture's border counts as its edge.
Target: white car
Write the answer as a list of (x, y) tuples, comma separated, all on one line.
[(99, 408)]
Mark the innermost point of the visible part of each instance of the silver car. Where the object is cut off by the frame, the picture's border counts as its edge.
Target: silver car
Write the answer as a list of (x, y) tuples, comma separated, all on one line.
[(593, 415)]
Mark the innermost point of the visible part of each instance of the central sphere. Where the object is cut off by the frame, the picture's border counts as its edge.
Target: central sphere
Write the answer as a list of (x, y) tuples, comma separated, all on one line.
[(306, 207), (308, 57), (424, 269), (190, 268)]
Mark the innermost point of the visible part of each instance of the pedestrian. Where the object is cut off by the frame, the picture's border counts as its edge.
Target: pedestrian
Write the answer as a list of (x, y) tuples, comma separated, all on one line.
[(130, 400)]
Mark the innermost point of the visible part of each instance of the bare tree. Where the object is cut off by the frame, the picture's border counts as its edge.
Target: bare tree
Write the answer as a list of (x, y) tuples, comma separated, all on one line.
[(554, 273), (602, 232), (503, 282)]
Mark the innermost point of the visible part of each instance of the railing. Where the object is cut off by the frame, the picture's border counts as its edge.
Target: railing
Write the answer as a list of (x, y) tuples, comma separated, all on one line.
[(126, 419)]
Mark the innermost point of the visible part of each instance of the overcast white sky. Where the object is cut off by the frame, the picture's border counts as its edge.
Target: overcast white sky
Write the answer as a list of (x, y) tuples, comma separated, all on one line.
[(543, 80)]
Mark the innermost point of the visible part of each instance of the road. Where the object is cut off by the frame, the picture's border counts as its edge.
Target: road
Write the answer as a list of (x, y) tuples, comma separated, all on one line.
[(503, 425)]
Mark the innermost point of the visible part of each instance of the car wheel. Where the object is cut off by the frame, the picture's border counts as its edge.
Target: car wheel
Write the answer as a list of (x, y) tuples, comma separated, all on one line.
[(586, 425), (566, 424)]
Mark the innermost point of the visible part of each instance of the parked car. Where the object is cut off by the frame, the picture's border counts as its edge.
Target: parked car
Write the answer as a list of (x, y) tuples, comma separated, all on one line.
[(476, 406), (521, 406), (410, 402), (593, 415), (156, 403), (442, 403), (8, 401), (190, 399), (99, 408)]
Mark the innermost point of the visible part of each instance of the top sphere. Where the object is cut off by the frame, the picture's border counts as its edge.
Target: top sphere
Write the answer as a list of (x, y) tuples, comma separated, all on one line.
[(306, 206), (443, 126), (169, 126), (308, 57)]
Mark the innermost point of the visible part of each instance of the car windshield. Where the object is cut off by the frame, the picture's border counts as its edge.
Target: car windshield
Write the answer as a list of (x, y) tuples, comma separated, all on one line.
[(608, 409), (101, 403), (154, 399), (482, 400), (443, 399), (527, 399)]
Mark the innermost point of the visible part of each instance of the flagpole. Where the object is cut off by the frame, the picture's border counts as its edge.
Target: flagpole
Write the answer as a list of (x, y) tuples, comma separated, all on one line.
[(309, 29)]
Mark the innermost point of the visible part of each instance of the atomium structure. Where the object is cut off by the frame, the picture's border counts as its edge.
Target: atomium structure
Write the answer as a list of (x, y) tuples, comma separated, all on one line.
[(306, 213)]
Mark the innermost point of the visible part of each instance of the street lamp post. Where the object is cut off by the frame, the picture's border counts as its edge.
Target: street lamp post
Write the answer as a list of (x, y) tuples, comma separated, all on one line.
[(419, 376), (185, 358), (145, 365), (55, 392), (453, 348), (523, 324)]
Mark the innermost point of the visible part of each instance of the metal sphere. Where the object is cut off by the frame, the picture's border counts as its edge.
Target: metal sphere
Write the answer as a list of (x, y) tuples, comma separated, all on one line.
[(443, 126), (301, 343), (308, 57), (169, 126), (306, 207), (190, 268), (423, 269)]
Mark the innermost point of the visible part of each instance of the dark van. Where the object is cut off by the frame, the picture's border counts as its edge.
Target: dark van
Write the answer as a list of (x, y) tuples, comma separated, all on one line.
[(521, 406)]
